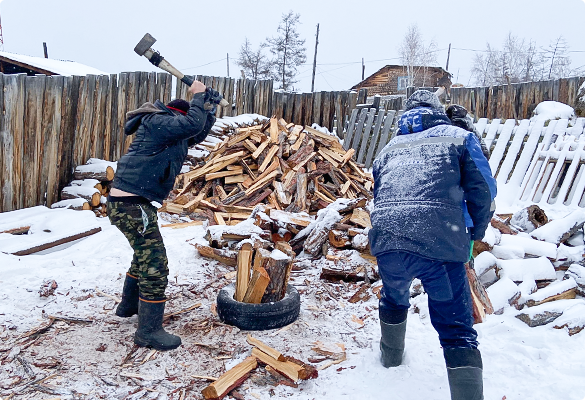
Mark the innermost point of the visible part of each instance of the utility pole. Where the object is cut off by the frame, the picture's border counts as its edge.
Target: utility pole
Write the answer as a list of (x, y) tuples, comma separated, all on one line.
[(363, 69), (315, 60), (448, 55), (1, 37), (228, 65), (45, 49)]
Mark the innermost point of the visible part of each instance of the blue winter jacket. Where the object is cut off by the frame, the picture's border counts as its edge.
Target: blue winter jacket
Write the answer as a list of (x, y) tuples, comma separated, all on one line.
[(422, 178)]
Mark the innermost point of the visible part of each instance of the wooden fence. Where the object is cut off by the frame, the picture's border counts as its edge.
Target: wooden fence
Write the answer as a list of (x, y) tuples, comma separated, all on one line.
[(517, 100), (51, 124), (537, 163)]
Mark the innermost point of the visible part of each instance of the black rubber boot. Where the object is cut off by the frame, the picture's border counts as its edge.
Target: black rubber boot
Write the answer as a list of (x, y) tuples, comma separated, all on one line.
[(129, 304), (392, 343), (464, 369), (150, 332)]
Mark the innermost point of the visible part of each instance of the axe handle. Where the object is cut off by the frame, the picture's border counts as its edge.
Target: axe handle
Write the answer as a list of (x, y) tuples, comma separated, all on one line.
[(165, 65)]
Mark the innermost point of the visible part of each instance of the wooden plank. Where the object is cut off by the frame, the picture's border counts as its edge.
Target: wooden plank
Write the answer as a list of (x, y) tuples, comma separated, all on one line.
[(366, 135), (384, 139), (34, 89), (374, 141), (350, 129), (359, 129)]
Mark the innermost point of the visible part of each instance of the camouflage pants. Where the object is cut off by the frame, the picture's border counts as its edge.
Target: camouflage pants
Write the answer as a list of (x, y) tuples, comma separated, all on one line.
[(139, 223)]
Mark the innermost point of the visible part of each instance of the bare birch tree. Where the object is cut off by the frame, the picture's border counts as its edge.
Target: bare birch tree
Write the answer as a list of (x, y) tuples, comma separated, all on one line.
[(288, 51), (417, 56), (254, 63)]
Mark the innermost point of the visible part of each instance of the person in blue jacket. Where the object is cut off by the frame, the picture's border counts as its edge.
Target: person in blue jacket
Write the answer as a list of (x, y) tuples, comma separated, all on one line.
[(145, 174), (425, 178)]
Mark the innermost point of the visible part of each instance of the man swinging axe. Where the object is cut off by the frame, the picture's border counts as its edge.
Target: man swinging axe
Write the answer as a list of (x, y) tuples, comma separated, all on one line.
[(145, 174)]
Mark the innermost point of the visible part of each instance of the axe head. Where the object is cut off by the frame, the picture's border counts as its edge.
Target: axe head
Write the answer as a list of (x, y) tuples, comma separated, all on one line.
[(144, 44)]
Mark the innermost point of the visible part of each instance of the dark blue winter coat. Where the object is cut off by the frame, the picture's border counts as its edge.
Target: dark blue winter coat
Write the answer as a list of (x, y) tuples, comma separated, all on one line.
[(156, 155), (422, 178)]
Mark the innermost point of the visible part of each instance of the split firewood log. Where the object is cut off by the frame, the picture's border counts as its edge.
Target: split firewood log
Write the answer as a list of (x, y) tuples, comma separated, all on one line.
[(90, 194), (529, 218), (231, 379)]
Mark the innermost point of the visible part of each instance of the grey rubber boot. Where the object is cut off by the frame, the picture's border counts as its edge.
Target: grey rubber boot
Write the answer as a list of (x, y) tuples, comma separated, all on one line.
[(465, 372), (150, 332), (392, 343), (129, 304)]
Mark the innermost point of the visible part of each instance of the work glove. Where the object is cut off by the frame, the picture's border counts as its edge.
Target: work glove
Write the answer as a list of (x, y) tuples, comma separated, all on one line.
[(212, 99)]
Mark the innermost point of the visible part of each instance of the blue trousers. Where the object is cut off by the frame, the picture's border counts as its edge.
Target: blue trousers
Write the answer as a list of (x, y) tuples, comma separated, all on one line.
[(446, 284)]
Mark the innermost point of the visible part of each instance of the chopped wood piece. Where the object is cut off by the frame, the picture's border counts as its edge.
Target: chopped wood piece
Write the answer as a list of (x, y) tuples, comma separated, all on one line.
[(268, 159), (361, 217), (257, 286), (244, 265), (265, 348), (481, 302), (227, 257), (180, 225), (90, 194), (260, 149), (286, 368), (291, 218), (230, 379), (339, 239)]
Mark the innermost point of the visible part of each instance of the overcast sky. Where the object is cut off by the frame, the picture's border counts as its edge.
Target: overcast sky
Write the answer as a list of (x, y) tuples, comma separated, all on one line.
[(196, 36)]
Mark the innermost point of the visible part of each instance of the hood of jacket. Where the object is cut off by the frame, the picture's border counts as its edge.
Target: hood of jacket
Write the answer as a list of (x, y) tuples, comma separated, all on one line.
[(134, 117), (420, 119)]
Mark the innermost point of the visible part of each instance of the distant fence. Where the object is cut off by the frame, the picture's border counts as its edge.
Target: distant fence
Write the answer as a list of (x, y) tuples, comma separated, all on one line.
[(517, 100)]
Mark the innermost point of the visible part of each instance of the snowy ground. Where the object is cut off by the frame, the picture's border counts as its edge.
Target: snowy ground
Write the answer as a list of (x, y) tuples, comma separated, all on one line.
[(85, 360)]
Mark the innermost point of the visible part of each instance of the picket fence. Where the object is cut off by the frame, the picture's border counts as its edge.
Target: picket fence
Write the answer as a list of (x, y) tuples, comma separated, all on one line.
[(544, 164)]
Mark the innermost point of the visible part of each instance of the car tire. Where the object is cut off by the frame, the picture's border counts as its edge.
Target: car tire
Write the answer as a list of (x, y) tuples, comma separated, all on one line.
[(258, 317)]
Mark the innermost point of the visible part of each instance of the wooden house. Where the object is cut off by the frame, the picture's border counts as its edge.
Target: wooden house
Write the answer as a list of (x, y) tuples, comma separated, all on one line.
[(393, 79), (11, 63)]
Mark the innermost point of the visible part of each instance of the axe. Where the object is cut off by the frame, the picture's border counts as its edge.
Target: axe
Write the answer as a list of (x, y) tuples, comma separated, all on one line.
[(143, 49)]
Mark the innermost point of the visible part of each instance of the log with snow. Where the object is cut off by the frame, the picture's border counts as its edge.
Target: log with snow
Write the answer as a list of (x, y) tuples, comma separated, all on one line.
[(559, 230), (502, 294), (541, 268), (577, 272), (555, 291), (547, 312), (484, 262), (529, 246)]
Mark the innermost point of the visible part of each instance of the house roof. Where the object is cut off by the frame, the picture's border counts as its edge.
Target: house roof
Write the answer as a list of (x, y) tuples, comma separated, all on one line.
[(393, 66), (48, 66)]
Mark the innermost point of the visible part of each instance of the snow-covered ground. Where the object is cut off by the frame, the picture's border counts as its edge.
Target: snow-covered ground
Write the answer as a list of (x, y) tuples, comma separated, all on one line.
[(520, 362)]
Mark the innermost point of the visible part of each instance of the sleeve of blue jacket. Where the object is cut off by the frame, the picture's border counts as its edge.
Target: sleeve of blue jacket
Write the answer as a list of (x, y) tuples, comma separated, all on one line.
[(479, 186), (180, 127)]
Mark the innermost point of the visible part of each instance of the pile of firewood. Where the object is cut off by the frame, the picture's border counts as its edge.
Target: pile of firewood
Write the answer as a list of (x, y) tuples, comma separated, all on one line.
[(277, 364), (533, 264), (290, 167), (90, 188)]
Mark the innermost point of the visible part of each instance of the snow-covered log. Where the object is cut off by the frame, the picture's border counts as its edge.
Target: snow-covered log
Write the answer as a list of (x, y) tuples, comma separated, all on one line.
[(529, 245), (540, 268), (529, 218), (558, 290), (73, 204), (502, 294), (547, 312), (560, 230)]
